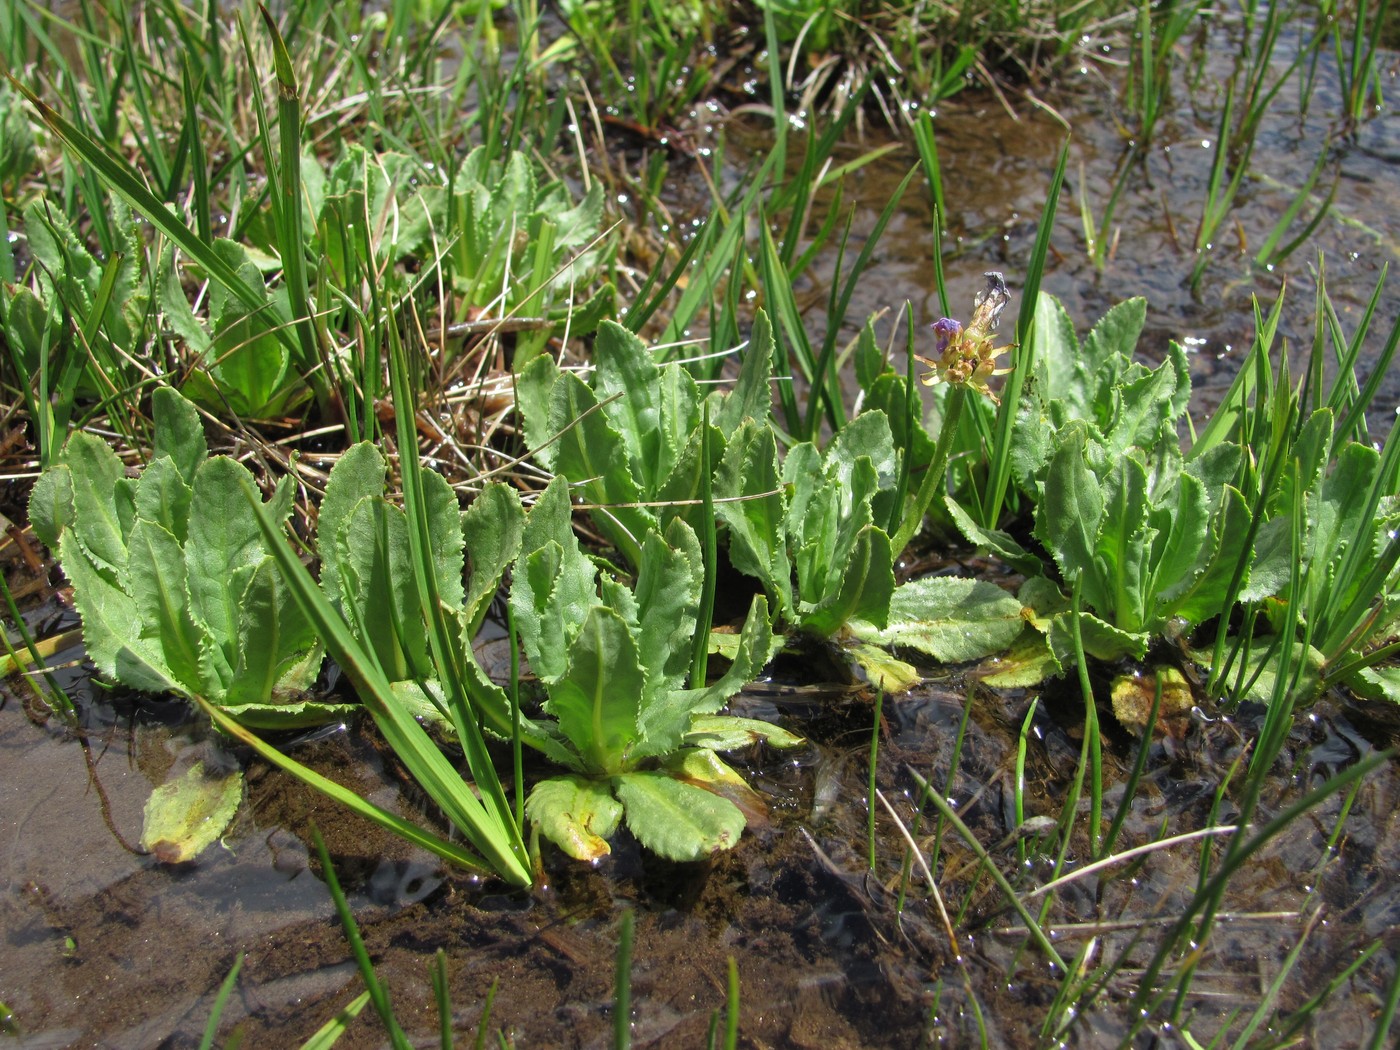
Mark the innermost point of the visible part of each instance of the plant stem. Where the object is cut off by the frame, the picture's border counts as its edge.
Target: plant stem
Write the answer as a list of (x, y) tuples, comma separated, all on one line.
[(933, 477)]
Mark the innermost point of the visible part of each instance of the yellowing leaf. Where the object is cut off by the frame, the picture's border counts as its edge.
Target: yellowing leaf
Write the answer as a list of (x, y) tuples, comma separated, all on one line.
[(186, 815), (577, 814)]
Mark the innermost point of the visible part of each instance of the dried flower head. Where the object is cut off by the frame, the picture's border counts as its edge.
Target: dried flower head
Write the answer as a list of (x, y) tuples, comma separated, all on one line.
[(968, 355)]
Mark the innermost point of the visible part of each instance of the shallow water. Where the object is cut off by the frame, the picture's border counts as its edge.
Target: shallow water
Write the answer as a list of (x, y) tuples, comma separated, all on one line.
[(103, 947), (997, 171)]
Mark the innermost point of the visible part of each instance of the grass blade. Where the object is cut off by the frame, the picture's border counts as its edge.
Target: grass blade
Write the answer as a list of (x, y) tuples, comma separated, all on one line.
[(378, 994), (428, 766), (1000, 474)]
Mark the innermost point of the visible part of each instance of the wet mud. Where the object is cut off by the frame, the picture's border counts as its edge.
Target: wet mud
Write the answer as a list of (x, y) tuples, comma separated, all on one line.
[(104, 947)]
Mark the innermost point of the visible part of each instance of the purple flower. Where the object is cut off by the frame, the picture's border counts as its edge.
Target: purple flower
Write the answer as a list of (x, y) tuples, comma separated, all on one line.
[(947, 331)]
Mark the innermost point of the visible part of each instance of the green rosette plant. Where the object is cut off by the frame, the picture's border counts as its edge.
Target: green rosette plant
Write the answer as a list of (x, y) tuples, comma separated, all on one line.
[(629, 432), (1148, 536), (639, 741), (812, 530), (74, 320), (817, 543), (1290, 549), (524, 247), (177, 592)]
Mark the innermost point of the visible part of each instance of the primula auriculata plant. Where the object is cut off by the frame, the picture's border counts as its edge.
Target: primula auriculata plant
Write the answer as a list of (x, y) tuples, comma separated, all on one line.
[(814, 531), (614, 660), (817, 543), (628, 433), (1158, 541), (176, 590)]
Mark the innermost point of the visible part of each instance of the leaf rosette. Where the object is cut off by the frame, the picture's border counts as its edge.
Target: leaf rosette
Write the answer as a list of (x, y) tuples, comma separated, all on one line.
[(638, 739), (177, 592)]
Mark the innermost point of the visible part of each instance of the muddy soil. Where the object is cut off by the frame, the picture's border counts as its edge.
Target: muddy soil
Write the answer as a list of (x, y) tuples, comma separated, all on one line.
[(104, 947)]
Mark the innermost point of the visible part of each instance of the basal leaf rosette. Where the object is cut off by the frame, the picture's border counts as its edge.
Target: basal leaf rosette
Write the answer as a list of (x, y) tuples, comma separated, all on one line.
[(614, 661), (177, 592)]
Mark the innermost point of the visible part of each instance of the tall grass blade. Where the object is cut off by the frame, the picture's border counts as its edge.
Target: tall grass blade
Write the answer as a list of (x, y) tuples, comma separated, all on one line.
[(378, 994), (286, 194), (329, 1033), (446, 648), (622, 995), (410, 832), (498, 844), (216, 1012), (121, 178), (999, 475), (704, 616)]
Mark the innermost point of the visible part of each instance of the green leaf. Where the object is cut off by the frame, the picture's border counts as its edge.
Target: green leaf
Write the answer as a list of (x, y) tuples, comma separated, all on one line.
[(492, 529), (591, 453), (670, 577), (161, 495), (598, 701), (577, 814), (553, 585), (51, 507), (624, 370), (1028, 662), (497, 840), (445, 538), (95, 473), (156, 570), (884, 671), (1002, 544), (864, 588), (294, 714), (681, 493), (189, 813), (112, 624), (752, 396), (668, 717), (1377, 683), (223, 539), (1068, 514), (1215, 567), (534, 390), (1122, 545), (179, 432), (273, 634), (1181, 525), (1115, 335), (703, 768), (675, 820), (1061, 372), (1101, 640), (730, 733), (749, 500), (176, 309), (358, 474), (811, 515), (250, 361), (867, 437), (378, 591), (1147, 407), (953, 620)]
